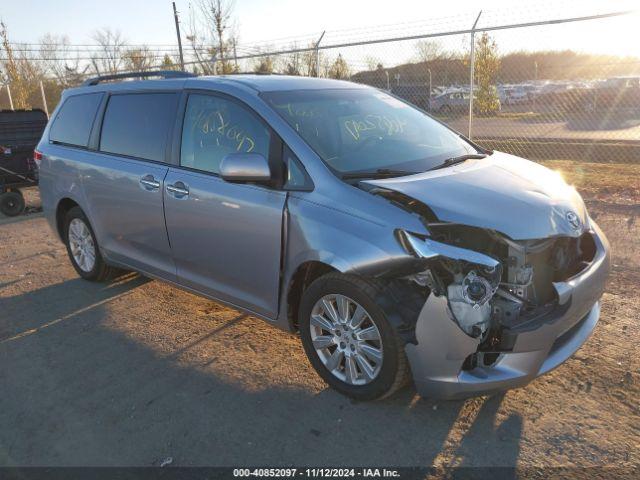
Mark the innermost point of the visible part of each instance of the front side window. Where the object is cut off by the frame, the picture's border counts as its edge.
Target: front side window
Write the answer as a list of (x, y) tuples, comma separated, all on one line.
[(138, 124), (72, 125), (215, 127), (364, 130)]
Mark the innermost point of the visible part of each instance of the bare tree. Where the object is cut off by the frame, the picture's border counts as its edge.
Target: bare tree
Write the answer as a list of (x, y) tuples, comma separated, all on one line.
[(168, 63), (293, 65), (266, 63), (372, 62), (339, 69), (203, 64), (217, 20), (138, 59), (108, 58), (309, 61), (428, 50), (13, 72), (201, 52), (58, 61)]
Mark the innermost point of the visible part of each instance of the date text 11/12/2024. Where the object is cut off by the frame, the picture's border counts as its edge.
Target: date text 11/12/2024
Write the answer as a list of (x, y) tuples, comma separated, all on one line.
[(317, 472)]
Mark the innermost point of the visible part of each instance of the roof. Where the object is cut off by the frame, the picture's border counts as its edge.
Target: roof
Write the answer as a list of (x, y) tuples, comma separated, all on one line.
[(271, 83), (257, 83)]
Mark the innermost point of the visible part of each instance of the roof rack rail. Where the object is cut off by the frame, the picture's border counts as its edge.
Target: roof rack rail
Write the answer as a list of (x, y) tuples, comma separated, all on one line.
[(155, 73)]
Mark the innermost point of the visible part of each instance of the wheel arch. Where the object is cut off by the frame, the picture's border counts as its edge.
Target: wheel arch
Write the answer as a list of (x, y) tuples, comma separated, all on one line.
[(306, 273), (64, 205)]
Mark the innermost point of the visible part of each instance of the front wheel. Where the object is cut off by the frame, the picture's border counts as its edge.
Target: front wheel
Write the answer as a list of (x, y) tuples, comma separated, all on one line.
[(348, 339), (82, 247)]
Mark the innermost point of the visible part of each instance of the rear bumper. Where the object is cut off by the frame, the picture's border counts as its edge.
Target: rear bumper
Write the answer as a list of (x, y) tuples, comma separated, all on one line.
[(437, 359)]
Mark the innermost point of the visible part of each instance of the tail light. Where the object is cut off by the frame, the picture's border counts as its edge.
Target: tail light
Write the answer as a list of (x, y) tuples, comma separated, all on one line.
[(37, 157)]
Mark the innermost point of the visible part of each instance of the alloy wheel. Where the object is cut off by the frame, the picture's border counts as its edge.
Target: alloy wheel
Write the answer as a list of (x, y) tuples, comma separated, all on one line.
[(346, 339), (81, 245)]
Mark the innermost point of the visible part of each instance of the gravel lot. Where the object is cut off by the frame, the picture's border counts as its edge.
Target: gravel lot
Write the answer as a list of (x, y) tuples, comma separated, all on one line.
[(135, 372)]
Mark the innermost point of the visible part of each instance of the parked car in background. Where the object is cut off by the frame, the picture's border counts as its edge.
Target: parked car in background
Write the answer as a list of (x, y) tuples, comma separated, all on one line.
[(416, 94), (614, 93), (513, 95), (394, 246), (450, 102), (548, 93)]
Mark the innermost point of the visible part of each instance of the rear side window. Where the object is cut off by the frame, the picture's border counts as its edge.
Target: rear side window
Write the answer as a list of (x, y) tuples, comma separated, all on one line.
[(72, 125), (138, 125)]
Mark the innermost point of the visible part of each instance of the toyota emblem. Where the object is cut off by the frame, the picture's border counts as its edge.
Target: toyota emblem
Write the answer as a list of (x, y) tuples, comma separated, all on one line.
[(573, 220)]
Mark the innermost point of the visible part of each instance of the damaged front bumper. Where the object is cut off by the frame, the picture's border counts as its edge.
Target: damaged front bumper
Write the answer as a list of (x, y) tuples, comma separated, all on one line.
[(438, 358)]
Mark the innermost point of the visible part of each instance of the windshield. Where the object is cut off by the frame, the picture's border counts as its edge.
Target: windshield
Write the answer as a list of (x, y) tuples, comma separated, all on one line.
[(366, 130)]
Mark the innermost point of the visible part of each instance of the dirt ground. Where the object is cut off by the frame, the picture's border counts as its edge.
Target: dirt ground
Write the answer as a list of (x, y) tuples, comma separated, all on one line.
[(136, 372)]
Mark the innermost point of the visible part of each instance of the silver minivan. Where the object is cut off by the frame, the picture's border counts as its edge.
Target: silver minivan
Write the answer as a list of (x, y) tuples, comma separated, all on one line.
[(397, 248)]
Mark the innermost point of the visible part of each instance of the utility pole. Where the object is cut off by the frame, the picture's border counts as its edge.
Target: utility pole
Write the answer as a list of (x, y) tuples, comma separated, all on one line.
[(535, 81), (473, 65), (10, 97), (429, 105), (235, 54), (44, 99), (318, 54), (175, 17)]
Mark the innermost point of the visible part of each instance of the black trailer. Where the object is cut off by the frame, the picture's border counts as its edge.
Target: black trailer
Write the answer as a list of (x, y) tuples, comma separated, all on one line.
[(20, 132)]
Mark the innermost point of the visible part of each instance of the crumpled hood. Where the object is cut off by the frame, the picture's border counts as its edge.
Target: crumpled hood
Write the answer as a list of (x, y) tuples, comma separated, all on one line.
[(516, 197)]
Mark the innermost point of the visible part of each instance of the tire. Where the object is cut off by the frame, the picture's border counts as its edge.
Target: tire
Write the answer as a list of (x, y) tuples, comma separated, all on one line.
[(99, 270), (12, 203), (392, 372), (445, 109)]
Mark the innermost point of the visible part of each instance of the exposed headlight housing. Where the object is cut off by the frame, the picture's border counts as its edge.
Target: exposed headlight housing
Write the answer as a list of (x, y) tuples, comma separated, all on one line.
[(476, 278)]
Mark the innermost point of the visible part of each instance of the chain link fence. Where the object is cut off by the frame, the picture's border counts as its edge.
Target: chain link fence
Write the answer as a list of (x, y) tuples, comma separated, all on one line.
[(516, 81), (540, 89)]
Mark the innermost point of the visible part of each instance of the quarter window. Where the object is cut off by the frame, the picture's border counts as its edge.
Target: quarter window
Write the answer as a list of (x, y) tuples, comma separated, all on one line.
[(72, 125), (214, 127), (296, 178), (138, 125)]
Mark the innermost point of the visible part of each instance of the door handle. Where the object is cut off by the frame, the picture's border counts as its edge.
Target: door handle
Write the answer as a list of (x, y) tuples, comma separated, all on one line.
[(178, 189), (148, 182)]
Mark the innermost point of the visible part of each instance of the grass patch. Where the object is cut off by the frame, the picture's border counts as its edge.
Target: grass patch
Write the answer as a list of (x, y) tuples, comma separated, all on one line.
[(616, 182)]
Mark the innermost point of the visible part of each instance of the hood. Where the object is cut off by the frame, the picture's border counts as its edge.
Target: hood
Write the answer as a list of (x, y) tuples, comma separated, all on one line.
[(516, 197)]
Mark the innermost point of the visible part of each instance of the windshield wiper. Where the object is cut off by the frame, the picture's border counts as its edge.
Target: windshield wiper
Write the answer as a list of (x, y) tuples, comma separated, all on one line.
[(462, 158), (379, 173)]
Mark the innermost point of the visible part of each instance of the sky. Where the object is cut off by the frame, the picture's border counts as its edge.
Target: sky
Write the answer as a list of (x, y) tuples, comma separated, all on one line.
[(273, 24)]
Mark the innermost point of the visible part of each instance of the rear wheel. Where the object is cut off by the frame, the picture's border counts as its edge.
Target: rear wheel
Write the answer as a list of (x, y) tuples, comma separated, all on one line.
[(82, 247), (348, 339), (12, 203)]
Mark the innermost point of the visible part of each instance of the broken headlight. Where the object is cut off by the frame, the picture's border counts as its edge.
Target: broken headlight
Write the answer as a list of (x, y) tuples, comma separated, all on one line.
[(469, 279)]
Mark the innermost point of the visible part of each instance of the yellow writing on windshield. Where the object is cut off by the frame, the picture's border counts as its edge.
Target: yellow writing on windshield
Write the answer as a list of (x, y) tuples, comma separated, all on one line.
[(381, 124), (298, 111)]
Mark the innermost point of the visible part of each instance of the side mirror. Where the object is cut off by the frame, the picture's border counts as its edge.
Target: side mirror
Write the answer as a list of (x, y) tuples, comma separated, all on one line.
[(245, 167)]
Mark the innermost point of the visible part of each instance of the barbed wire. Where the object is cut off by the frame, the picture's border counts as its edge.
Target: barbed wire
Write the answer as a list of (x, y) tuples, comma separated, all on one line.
[(94, 52)]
